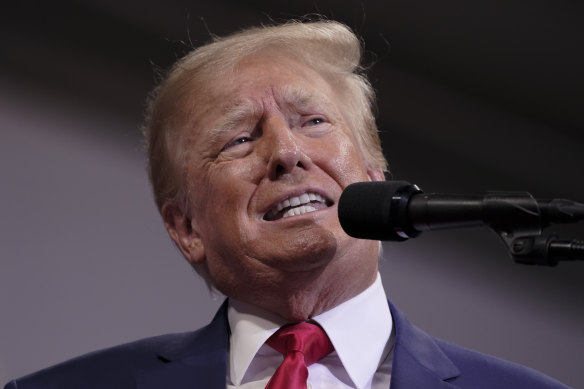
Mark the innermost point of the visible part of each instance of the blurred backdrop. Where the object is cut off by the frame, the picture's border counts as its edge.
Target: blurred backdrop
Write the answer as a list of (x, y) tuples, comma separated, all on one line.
[(473, 96)]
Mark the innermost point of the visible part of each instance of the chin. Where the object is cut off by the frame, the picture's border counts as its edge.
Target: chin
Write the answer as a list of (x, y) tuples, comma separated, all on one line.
[(309, 249)]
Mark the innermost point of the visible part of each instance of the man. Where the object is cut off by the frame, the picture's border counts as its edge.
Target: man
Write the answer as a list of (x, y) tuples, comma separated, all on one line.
[(251, 140)]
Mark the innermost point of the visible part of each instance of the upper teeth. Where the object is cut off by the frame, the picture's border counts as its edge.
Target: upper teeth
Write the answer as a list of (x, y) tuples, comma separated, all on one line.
[(295, 201), (296, 205)]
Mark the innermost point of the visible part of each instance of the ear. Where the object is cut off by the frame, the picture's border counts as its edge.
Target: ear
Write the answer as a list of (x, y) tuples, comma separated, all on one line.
[(375, 174), (183, 232)]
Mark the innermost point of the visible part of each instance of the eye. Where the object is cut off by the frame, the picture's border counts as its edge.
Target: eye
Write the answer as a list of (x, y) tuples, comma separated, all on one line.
[(239, 141), (315, 121), (236, 142)]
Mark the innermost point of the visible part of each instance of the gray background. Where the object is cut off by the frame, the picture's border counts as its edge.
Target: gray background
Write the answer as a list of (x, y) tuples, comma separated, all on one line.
[(474, 96)]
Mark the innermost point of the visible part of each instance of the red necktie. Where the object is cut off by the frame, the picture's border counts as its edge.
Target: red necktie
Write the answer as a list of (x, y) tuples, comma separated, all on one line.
[(302, 345)]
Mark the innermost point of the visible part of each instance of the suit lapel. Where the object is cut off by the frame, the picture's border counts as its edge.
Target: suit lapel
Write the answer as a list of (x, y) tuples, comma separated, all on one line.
[(418, 362), (194, 360)]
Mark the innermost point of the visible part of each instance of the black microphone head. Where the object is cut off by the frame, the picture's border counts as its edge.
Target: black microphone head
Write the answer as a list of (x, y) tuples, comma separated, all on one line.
[(366, 211)]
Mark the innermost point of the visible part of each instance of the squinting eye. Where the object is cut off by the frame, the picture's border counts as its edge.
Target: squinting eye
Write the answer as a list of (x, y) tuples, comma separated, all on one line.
[(236, 142), (315, 121), (239, 141)]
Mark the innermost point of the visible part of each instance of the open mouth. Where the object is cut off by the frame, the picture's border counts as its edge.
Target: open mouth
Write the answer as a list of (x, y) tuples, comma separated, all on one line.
[(297, 205)]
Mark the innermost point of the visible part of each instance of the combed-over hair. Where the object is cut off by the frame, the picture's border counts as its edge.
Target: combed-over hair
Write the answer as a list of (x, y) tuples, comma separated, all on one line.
[(328, 47)]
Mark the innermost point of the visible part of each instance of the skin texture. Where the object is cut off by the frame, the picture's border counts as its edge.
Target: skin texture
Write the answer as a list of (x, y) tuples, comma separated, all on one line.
[(272, 129)]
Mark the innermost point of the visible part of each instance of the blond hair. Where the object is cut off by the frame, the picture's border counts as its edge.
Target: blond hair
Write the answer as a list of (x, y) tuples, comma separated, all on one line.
[(328, 47)]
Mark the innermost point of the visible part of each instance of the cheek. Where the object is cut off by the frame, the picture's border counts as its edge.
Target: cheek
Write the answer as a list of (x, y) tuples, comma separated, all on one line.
[(227, 190), (345, 162), (248, 169)]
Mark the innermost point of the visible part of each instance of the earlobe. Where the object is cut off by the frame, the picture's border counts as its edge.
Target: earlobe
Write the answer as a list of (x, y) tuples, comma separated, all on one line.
[(183, 232)]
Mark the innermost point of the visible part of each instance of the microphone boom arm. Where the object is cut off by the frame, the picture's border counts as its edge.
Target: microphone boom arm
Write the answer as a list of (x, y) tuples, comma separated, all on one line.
[(403, 211)]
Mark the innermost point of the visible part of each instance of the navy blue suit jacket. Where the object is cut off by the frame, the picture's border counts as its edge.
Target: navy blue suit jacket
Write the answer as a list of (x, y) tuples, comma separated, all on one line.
[(199, 360)]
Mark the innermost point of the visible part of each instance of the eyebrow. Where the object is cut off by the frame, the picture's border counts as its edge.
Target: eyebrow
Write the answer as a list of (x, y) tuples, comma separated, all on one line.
[(300, 97), (234, 115)]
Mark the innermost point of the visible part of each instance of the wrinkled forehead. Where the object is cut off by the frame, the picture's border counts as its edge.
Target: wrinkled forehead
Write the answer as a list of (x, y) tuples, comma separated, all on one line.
[(280, 73), (242, 89), (288, 98)]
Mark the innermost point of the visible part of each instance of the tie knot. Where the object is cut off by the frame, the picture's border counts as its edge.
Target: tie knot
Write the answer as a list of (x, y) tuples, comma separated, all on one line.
[(306, 338)]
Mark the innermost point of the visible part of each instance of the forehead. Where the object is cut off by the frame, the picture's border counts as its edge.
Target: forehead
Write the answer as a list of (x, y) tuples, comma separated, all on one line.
[(254, 82), (279, 75)]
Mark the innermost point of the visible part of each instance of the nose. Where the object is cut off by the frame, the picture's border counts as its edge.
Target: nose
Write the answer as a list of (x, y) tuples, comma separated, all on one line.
[(282, 149)]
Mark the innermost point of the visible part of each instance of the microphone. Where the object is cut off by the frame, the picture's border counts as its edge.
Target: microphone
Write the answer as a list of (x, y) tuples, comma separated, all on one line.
[(398, 210)]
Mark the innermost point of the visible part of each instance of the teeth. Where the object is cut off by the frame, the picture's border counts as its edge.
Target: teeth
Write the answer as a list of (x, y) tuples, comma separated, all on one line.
[(299, 210), (282, 205), (299, 204)]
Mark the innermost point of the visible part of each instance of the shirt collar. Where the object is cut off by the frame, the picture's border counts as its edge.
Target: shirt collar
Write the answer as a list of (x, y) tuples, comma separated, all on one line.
[(358, 328), (250, 327)]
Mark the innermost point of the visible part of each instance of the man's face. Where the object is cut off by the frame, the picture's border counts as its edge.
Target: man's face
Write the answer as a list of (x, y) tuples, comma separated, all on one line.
[(267, 155)]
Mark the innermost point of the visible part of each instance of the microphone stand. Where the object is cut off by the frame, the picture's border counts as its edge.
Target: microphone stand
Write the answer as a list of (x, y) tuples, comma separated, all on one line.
[(524, 238), (546, 251)]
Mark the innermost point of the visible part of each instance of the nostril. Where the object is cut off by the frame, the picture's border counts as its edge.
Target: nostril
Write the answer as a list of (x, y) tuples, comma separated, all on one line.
[(282, 167), (279, 169)]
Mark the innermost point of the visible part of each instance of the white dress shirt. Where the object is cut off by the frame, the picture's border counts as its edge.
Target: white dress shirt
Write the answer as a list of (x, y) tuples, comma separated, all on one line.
[(360, 329)]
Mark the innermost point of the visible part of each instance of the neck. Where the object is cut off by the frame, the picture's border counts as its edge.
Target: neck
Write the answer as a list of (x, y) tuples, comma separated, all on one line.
[(297, 294), (301, 296)]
